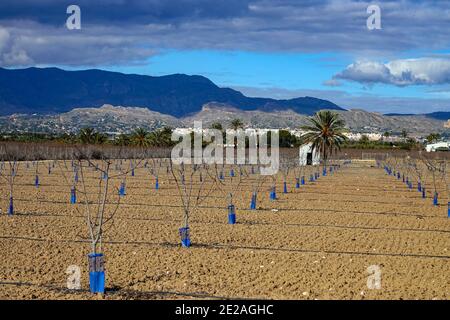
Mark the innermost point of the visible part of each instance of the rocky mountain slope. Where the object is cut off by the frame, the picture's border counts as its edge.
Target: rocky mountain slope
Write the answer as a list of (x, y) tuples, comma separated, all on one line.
[(124, 119), (46, 91)]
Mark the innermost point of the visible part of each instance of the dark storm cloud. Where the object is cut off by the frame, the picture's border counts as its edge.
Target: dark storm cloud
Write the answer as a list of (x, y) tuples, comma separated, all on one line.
[(123, 32), (124, 11)]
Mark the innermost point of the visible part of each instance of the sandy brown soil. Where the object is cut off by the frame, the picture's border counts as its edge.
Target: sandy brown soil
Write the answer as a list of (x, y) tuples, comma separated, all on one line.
[(316, 244)]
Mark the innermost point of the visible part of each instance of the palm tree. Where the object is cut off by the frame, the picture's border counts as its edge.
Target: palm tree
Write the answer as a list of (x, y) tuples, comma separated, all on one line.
[(217, 126), (325, 132), (140, 138), (237, 124), (161, 137), (87, 136), (100, 138), (122, 140)]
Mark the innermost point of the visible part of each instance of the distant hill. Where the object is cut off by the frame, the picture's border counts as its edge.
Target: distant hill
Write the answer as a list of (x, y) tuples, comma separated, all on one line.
[(125, 119), (440, 115), (364, 121), (53, 91)]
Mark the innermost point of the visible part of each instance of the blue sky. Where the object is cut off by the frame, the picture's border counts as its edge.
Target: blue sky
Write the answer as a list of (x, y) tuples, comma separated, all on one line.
[(270, 48), (240, 68), (293, 72)]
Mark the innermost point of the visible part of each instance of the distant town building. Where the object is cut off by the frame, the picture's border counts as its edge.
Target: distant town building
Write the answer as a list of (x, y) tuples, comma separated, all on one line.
[(357, 136), (439, 145)]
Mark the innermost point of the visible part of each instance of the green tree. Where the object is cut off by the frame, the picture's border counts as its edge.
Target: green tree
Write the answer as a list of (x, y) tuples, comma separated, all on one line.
[(122, 140), (433, 137), (90, 136), (86, 135), (140, 138), (161, 137), (100, 138), (364, 140), (217, 126), (236, 124), (404, 135), (288, 140), (326, 133)]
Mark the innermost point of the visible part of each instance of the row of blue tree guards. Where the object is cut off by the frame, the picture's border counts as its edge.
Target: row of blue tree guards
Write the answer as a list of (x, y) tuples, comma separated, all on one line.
[(185, 231), (420, 187)]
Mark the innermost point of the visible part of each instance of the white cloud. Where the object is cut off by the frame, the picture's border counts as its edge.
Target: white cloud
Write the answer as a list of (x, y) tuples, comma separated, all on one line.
[(406, 72), (10, 52), (126, 30)]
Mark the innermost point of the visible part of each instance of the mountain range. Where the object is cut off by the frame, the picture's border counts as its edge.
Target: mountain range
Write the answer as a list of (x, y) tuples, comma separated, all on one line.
[(119, 119), (54, 91), (55, 101)]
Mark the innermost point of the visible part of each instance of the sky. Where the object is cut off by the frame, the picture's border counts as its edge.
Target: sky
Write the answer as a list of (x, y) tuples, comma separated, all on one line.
[(266, 48)]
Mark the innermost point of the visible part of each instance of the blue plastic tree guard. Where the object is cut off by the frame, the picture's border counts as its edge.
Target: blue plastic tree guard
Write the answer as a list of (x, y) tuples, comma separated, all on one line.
[(273, 194), (324, 172), (303, 180), (157, 184), (419, 186), (423, 193), (435, 199), (297, 183), (253, 202), (11, 206), (122, 191), (448, 209), (231, 173), (73, 196), (231, 214), (132, 172), (36, 181), (185, 237), (96, 273), (285, 187)]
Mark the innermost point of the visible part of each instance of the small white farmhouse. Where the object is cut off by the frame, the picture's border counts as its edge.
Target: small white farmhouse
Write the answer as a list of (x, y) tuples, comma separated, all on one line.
[(307, 156), (433, 147)]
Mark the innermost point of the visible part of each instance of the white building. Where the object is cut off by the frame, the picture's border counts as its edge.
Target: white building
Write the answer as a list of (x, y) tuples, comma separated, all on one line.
[(308, 156), (357, 136), (433, 147)]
